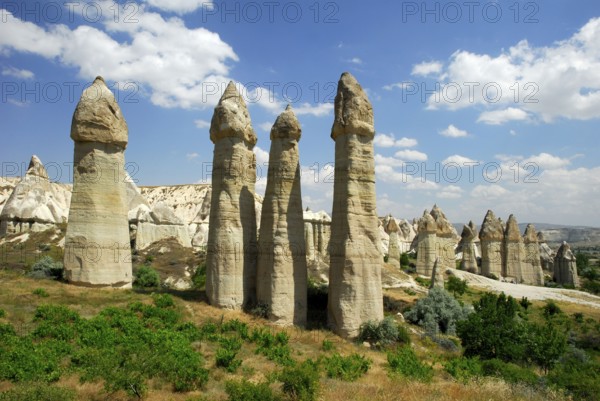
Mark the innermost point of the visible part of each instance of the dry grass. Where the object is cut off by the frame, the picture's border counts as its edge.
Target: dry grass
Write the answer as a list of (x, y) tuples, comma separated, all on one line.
[(17, 300)]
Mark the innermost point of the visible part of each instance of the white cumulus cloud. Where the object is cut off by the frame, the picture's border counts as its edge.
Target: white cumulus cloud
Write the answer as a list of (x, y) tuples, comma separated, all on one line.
[(413, 155), (498, 117), (453, 132)]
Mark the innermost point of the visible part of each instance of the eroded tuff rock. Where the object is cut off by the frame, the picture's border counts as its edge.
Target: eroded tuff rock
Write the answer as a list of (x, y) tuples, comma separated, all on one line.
[(282, 271), (468, 248), (160, 223), (565, 266), (514, 252), (437, 274), (35, 203), (97, 247), (532, 267), (546, 254), (426, 244), (490, 237), (231, 248), (355, 294), (446, 240), (394, 244)]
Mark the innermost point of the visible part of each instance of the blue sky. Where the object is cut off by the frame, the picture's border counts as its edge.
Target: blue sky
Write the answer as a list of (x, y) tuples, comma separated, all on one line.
[(478, 105)]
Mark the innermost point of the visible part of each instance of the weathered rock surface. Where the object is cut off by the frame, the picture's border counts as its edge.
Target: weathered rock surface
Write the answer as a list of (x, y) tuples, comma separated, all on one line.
[(438, 275), (468, 248), (34, 203), (97, 242), (546, 254), (532, 267), (231, 248), (282, 270), (514, 252), (355, 294), (394, 243), (426, 244), (160, 223), (565, 266), (490, 237), (446, 238)]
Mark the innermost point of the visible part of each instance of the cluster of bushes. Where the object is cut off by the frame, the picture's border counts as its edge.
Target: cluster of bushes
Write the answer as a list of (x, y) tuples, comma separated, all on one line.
[(124, 347), (438, 313), (590, 275)]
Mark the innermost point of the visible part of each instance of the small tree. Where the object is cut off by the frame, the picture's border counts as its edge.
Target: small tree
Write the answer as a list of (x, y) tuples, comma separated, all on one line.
[(493, 331), (546, 345), (456, 285)]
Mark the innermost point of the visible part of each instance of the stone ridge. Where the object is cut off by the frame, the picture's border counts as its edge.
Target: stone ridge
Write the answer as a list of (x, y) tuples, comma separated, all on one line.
[(98, 117)]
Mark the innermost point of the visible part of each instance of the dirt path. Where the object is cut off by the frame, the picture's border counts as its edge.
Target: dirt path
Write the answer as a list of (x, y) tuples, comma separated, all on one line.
[(531, 292)]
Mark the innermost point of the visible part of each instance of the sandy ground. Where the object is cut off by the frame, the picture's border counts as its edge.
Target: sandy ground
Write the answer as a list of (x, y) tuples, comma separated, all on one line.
[(531, 292)]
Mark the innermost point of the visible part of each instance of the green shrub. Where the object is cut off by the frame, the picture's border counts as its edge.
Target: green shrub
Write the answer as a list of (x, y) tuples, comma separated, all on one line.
[(438, 312), (493, 330), (146, 277), (424, 282), (274, 347), (163, 301), (2, 313), (46, 267), (38, 392), (236, 326), (546, 344), (456, 285), (383, 333), (551, 309), (301, 383), (404, 261), (225, 356), (261, 310), (508, 371), (199, 277), (327, 345), (463, 369), (525, 303), (578, 374), (40, 292), (246, 391), (405, 362), (348, 368)]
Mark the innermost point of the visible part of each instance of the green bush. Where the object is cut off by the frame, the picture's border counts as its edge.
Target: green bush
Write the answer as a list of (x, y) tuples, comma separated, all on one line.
[(578, 374), (2, 313), (404, 261), (225, 356), (46, 267), (38, 392), (546, 344), (551, 309), (246, 391), (456, 285), (383, 333), (509, 372), (301, 383), (463, 369), (493, 330), (327, 345), (424, 282), (274, 347), (347, 368), (525, 303), (405, 362), (199, 277), (146, 277), (163, 301), (40, 292), (438, 312)]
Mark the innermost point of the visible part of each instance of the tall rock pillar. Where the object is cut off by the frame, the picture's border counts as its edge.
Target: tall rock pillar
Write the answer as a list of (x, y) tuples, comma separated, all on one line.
[(565, 266), (282, 271), (532, 264), (514, 252), (231, 247), (355, 294), (490, 237), (426, 244), (468, 248), (97, 247)]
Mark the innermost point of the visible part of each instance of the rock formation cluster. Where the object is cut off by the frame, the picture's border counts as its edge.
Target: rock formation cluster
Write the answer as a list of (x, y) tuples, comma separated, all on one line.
[(97, 243)]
